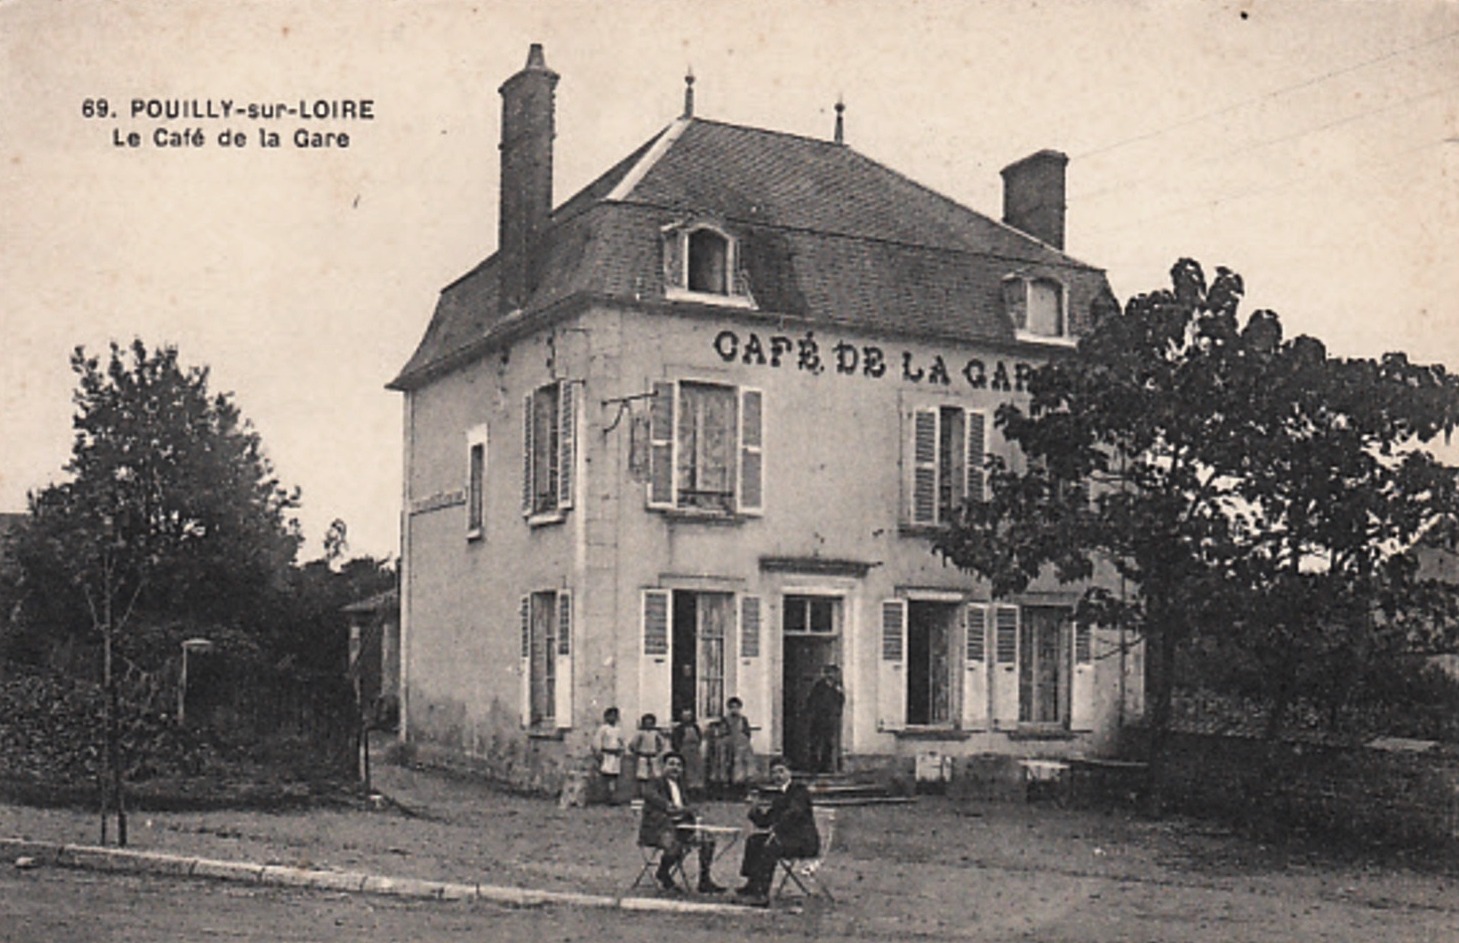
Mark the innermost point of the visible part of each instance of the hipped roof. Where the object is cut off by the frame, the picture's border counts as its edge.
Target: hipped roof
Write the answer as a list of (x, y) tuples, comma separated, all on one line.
[(826, 236)]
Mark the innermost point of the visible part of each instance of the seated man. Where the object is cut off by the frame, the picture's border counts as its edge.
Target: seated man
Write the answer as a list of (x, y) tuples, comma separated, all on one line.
[(666, 825), (787, 826)]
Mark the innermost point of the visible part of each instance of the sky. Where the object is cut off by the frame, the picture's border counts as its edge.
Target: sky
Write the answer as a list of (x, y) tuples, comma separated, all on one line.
[(1311, 146)]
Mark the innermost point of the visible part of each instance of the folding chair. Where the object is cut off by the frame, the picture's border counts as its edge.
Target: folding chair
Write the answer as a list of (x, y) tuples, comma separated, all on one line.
[(803, 871), (651, 855)]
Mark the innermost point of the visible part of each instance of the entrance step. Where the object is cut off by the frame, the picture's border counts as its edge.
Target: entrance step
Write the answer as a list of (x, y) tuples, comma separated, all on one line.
[(843, 790)]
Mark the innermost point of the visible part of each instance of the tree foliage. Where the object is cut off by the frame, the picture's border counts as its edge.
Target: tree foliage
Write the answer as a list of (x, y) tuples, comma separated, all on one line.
[(1239, 487), (170, 512)]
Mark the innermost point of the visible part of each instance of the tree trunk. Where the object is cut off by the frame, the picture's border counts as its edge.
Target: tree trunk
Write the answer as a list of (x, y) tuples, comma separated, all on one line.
[(1162, 688)]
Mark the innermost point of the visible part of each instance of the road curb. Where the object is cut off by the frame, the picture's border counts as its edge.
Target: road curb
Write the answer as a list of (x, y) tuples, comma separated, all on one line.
[(94, 858)]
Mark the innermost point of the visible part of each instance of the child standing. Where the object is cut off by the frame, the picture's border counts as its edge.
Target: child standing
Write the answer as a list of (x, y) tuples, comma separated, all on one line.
[(608, 754), (646, 746)]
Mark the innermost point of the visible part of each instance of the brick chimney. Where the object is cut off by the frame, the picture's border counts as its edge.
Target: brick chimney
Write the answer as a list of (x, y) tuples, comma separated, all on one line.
[(526, 176), (1033, 196)]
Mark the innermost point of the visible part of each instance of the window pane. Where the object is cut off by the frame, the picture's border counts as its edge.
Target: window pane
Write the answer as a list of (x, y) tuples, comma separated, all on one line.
[(822, 614), (708, 262), (543, 667), (474, 498), (952, 458), (1045, 310), (795, 619), (708, 440)]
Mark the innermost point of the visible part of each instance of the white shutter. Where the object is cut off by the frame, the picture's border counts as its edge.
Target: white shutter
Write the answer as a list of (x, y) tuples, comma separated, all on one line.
[(977, 454), (751, 491), (922, 498), (754, 673), (562, 694), (527, 454), (1005, 667), (654, 679), (661, 446), (1081, 679), (526, 660), (975, 667), (567, 438), (891, 691)]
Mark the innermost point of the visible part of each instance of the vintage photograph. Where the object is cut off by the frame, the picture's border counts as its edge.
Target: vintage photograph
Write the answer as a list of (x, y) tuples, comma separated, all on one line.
[(814, 470)]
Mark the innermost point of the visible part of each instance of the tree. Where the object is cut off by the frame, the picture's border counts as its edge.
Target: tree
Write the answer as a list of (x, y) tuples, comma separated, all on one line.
[(1246, 490), (171, 516)]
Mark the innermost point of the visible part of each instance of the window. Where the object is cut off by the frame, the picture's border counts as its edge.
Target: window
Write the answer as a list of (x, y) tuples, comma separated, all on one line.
[(1036, 307), (475, 482), (701, 263), (539, 645), (949, 446), (549, 438), (546, 659), (707, 451), (922, 657), (1042, 674)]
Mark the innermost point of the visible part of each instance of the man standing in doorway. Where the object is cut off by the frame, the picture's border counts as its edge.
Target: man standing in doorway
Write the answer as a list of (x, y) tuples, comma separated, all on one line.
[(823, 709)]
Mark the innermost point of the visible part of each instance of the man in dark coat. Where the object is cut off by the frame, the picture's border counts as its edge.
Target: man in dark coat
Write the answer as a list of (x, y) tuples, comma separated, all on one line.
[(823, 707), (787, 829), (668, 824)]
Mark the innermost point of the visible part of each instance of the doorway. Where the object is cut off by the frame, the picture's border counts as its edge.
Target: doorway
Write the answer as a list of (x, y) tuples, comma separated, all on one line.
[(930, 633), (700, 623), (810, 629)]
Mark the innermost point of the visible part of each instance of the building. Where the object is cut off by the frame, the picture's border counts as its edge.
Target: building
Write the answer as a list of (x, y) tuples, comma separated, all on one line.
[(685, 436), (374, 660)]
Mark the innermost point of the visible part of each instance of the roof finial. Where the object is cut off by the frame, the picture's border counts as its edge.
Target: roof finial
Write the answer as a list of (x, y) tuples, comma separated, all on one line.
[(840, 121), (689, 93)]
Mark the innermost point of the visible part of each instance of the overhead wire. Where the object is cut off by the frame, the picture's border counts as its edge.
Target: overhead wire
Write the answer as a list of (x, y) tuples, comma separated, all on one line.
[(1266, 96)]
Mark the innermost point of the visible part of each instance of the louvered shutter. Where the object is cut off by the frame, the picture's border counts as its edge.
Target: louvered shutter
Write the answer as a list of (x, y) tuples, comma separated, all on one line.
[(975, 667), (977, 454), (525, 611), (562, 707), (1005, 667), (891, 694), (527, 454), (566, 442), (923, 499), (754, 673), (751, 492), (661, 446), (654, 679), (1081, 679)]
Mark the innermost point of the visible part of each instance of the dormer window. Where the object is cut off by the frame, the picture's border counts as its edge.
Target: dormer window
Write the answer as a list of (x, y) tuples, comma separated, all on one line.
[(1038, 308), (708, 262), (701, 263)]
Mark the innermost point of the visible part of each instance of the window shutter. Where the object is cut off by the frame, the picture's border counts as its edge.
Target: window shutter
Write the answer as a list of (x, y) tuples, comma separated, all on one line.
[(527, 454), (564, 680), (661, 446), (751, 493), (526, 661), (924, 467), (975, 667), (654, 691), (1081, 683), (891, 673), (977, 454), (566, 442), (754, 673), (674, 258), (749, 627), (1005, 667)]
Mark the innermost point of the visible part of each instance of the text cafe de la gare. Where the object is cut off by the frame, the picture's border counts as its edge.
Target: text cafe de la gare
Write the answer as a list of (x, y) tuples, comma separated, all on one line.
[(806, 353)]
